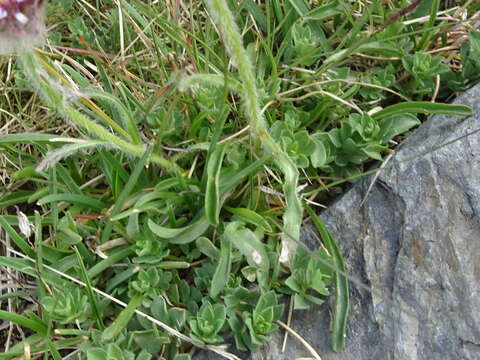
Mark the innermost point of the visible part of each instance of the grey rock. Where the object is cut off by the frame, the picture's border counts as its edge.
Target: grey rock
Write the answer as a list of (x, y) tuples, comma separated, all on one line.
[(416, 243)]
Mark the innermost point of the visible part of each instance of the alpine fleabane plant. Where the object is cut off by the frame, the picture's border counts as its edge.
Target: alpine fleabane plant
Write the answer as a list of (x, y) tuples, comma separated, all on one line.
[(21, 25)]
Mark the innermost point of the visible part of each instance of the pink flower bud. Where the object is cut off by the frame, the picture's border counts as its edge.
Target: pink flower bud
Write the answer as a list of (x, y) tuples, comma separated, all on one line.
[(21, 25)]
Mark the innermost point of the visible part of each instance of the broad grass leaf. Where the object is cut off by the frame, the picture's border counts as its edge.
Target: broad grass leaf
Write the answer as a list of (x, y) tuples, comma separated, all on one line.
[(251, 217), (206, 247), (222, 272), (182, 235), (422, 107)]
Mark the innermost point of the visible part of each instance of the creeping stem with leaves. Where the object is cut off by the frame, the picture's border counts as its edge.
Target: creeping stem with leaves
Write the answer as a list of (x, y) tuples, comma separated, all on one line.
[(233, 41)]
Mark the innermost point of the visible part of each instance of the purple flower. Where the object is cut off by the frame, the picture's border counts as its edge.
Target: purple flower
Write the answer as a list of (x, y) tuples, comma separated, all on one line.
[(21, 25)]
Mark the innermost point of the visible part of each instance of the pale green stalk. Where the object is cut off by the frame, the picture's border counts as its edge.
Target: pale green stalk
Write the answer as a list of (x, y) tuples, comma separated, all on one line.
[(292, 218), (57, 98)]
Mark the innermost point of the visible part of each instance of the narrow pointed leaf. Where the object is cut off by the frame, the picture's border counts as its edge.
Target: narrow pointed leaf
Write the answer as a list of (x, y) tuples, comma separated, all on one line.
[(341, 283), (222, 271), (122, 319), (421, 107), (212, 193)]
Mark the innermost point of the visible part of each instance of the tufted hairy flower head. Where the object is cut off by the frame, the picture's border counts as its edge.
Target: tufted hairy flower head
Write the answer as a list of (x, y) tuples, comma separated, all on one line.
[(21, 25)]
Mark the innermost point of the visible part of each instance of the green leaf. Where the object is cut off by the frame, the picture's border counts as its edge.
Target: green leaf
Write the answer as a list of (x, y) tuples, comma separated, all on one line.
[(53, 350), (89, 287), (429, 26), (169, 265), (257, 14), (380, 48), (208, 322), (373, 47), (54, 156), (322, 12), (37, 343), (396, 125), (222, 271), (17, 239), (302, 8), (38, 327), (229, 181), (319, 155), (249, 244), (251, 217), (150, 340), (86, 201), (249, 273), (122, 319), (124, 114), (25, 266), (341, 283), (421, 107), (96, 354), (212, 193), (28, 172), (144, 355), (126, 191), (300, 303), (182, 357), (291, 282), (474, 39), (183, 235), (32, 137), (373, 151), (115, 256), (206, 247)]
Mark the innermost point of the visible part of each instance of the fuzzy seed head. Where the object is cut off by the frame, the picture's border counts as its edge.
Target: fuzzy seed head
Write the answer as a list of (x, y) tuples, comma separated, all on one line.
[(21, 25)]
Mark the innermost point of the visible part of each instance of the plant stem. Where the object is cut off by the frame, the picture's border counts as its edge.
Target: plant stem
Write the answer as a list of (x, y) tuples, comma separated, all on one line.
[(292, 218), (55, 95)]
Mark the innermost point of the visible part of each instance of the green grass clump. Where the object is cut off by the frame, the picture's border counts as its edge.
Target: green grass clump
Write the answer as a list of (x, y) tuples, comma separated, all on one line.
[(154, 205)]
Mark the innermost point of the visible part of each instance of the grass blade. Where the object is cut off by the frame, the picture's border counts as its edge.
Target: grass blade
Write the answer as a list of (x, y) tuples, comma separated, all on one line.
[(421, 107), (36, 326), (341, 283), (89, 286), (17, 239), (125, 115), (222, 272), (26, 267), (212, 193), (74, 199), (427, 35), (227, 182), (251, 217), (33, 138), (183, 235), (127, 189), (122, 319), (53, 350), (117, 255)]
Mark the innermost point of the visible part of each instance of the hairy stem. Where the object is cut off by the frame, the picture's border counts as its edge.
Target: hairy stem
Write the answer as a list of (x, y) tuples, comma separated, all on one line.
[(57, 96), (233, 41)]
